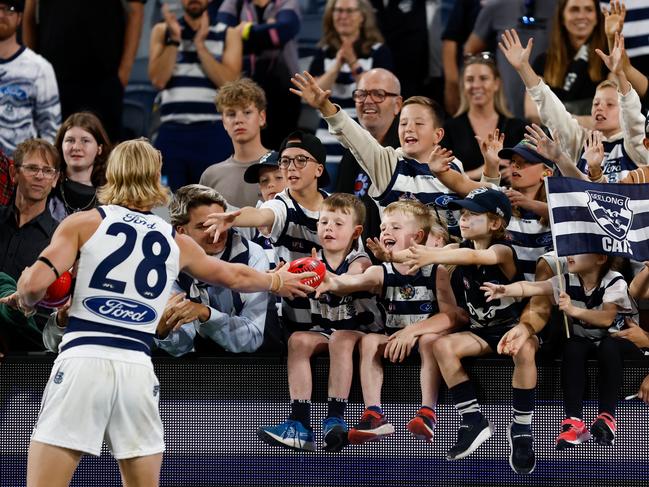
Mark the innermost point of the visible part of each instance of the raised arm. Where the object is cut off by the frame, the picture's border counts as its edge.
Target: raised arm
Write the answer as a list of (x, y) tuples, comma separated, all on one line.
[(162, 57), (134, 21), (229, 68), (217, 223), (377, 161)]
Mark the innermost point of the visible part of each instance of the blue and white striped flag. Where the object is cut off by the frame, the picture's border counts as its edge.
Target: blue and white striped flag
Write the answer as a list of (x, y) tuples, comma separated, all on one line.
[(599, 218)]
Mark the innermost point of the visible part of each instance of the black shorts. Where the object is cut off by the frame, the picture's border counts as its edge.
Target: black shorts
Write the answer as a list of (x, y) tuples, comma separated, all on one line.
[(491, 334)]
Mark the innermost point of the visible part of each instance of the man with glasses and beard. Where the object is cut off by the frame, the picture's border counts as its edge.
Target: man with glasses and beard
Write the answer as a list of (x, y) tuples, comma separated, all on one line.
[(29, 97), (189, 59)]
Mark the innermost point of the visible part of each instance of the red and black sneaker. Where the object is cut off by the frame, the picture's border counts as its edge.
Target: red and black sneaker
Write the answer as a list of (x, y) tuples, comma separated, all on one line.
[(603, 429), (372, 427), (573, 432), (422, 426)]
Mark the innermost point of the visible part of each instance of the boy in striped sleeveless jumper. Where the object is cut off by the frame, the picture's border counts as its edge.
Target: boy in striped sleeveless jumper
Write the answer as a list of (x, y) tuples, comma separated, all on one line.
[(419, 309), (484, 256), (339, 323), (290, 219)]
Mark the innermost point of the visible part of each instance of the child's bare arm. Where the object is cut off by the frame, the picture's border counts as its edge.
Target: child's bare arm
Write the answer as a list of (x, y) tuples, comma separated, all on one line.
[(371, 280), (519, 289), (600, 318), (639, 287)]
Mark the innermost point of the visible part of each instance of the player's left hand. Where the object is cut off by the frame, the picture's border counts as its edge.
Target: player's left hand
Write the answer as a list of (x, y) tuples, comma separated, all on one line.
[(399, 346)]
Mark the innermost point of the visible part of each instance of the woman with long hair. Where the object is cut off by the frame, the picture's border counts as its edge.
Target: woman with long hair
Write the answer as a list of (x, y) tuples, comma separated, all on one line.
[(483, 109), (570, 66), (84, 147)]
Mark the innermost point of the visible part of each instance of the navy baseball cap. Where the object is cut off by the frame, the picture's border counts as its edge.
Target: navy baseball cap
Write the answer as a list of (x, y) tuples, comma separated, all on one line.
[(526, 150), (270, 159), (485, 200), (311, 144)]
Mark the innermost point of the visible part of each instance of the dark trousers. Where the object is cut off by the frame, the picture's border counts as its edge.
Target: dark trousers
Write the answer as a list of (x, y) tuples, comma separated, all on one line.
[(610, 354)]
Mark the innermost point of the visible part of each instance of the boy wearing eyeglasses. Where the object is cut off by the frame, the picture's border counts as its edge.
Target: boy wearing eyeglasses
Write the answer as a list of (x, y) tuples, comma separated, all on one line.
[(290, 219)]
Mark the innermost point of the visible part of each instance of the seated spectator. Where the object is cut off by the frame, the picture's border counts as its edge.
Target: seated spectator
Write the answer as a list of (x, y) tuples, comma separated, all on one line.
[(83, 147), (29, 96), (351, 44), (189, 59), (269, 33), (212, 318), (532, 19), (242, 104), (569, 66), (26, 225), (483, 109), (378, 113)]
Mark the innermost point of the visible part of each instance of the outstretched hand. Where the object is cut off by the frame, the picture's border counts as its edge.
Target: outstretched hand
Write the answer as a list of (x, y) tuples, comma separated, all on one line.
[(490, 146), (550, 148), (379, 250), (614, 61), (594, 150), (217, 223), (420, 256), (307, 88), (517, 55), (614, 17), (440, 159), (493, 291)]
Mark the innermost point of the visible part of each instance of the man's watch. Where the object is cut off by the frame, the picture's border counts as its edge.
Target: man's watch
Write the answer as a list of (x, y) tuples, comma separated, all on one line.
[(169, 41)]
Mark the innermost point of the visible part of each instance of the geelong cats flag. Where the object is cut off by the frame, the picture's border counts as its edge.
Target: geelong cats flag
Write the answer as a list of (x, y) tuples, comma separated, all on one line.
[(599, 218)]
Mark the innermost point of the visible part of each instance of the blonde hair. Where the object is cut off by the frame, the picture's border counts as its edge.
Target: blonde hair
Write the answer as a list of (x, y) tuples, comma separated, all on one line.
[(414, 208), (500, 102), (133, 176), (347, 203), (607, 83)]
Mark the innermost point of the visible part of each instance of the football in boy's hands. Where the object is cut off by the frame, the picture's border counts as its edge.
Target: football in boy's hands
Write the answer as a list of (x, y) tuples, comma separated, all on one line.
[(58, 292), (309, 264)]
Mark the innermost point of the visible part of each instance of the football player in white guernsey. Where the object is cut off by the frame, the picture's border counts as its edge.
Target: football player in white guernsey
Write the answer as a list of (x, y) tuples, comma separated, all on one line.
[(102, 384)]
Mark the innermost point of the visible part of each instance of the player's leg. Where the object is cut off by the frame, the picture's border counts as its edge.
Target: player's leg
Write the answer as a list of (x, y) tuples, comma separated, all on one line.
[(423, 424), (474, 428), (341, 371), (296, 432), (50, 466), (373, 424), (141, 471)]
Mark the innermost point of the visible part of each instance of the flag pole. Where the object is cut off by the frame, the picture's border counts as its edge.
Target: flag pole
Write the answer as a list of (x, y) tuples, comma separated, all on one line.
[(556, 255)]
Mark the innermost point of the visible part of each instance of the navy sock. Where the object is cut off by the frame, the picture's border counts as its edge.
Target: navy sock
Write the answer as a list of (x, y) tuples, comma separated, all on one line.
[(301, 411), (336, 407), (523, 409), (376, 409), (466, 402)]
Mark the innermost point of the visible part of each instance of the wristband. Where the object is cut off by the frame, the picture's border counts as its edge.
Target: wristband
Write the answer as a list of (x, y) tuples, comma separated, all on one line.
[(169, 41), (245, 33), (48, 263), (276, 282), (530, 328)]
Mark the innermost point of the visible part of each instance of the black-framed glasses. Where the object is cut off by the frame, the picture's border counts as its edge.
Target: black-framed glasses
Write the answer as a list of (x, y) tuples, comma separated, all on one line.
[(377, 95), (7, 10), (341, 11), (480, 57), (32, 170), (298, 161)]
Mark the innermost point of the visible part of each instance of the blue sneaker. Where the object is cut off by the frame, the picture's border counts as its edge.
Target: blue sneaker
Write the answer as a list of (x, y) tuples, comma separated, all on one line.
[(290, 434), (334, 433)]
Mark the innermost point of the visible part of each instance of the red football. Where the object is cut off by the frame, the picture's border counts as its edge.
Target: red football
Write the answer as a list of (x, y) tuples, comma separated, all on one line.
[(309, 264), (58, 292)]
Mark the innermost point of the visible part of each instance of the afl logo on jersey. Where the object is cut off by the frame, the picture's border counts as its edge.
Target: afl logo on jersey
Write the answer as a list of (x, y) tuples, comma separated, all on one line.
[(121, 310)]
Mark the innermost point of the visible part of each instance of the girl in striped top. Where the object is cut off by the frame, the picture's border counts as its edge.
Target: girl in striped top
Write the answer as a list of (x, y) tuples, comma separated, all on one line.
[(596, 299)]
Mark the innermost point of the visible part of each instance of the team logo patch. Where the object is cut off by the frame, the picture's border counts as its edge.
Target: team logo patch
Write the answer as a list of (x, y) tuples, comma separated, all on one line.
[(444, 200), (545, 239), (361, 184), (611, 212), (476, 192), (58, 378), (121, 310), (426, 307), (407, 291)]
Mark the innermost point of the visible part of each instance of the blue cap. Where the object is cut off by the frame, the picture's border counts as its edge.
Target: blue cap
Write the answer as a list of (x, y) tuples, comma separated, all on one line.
[(526, 150), (270, 159), (485, 200)]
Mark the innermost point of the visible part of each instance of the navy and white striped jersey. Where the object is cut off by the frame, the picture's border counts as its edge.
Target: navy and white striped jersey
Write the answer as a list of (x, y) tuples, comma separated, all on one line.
[(408, 299), (616, 164), (341, 92), (499, 312), (357, 311), (125, 274), (293, 234), (530, 240), (611, 289), (189, 94)]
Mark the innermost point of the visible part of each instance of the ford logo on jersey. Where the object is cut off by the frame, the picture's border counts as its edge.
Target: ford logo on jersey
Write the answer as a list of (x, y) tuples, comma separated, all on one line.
[(120, 309)]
